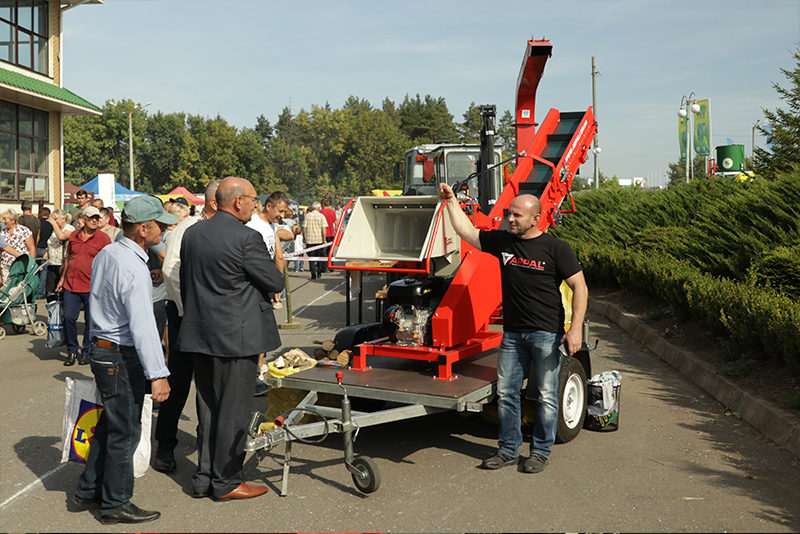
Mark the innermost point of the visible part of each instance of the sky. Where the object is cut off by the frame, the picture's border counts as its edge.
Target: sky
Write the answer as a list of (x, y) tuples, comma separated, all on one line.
[(244, 58)]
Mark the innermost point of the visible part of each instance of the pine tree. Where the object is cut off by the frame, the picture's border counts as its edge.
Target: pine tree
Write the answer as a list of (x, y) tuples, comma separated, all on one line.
[(784, 136)]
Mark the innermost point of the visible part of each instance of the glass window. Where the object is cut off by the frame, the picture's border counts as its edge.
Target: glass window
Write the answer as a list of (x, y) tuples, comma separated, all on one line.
[(24, 42), (25, 14), (40, 17), (27, 184), (39, 123), (7, 10), (24, 34), (40, 154), (40, 54), (25, 120), (8, 185), (7, 46), (8, 117), (8, 150), (24, 152)]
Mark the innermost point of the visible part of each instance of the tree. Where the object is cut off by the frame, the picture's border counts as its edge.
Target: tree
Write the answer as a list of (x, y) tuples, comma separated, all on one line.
[(677, 171), (470, 130), (427, 121), (783, 154), (167, 152)]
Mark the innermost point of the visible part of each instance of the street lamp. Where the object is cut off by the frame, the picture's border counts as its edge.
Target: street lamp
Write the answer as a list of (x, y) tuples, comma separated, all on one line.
[(691, 104), (130, 136)]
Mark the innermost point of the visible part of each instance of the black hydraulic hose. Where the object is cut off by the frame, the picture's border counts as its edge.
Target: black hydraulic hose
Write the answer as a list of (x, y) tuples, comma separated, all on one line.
[(312, 411)]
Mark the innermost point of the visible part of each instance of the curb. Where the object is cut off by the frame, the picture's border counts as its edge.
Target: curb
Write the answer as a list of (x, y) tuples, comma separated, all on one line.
[(775, 423)]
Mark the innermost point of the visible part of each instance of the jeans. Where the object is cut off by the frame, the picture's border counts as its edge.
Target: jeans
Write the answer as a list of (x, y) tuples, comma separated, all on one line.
[(43, 273), (72, 309), (517, 350), (109, 467)]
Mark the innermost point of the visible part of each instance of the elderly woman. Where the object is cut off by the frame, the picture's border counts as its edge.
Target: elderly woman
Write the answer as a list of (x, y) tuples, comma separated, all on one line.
[(18, 237), (59, 219)]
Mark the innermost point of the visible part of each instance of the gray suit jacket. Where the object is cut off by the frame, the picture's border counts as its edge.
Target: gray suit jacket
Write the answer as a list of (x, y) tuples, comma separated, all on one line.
[(227, 279)]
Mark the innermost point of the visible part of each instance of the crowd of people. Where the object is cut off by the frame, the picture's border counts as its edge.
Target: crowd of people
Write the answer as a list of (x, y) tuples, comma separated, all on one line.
[(157, 309)]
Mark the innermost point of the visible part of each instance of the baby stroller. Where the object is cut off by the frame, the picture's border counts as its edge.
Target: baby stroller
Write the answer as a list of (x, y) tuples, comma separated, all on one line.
[(18, 297)]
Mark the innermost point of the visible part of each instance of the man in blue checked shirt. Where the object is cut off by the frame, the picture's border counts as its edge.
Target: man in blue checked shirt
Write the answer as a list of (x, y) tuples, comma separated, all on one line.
[(125, 353)]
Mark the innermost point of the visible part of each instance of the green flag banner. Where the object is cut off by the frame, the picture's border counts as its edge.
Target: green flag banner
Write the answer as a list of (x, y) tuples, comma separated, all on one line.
[(683, 137), (702, 129)]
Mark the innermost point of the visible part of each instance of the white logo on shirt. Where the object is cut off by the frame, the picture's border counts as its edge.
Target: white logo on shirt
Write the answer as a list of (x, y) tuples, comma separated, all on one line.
[(506, 257)]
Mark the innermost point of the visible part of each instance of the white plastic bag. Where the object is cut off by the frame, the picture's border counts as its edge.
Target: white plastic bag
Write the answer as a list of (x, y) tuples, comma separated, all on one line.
[(55, 324), (82, 408)]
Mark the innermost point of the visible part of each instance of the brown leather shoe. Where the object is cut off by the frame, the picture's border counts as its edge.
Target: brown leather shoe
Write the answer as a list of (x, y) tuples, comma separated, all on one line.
[(244, 491)]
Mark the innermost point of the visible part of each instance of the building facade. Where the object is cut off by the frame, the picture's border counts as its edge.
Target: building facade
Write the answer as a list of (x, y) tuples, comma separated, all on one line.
[(33, 101)]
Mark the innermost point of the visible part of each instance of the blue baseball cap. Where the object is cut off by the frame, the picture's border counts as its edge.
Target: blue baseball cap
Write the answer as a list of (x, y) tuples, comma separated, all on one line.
[(146, 208)]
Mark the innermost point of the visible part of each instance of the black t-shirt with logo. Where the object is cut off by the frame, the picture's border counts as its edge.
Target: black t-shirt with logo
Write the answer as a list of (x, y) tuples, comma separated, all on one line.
[(532, 271)]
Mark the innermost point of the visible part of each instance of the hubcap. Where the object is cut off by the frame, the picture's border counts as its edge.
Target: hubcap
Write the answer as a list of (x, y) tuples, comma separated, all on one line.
[(572, 402)]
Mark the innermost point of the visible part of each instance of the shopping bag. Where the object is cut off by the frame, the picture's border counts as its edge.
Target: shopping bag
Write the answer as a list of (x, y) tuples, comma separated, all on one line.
[(55, 324), (82, 408)]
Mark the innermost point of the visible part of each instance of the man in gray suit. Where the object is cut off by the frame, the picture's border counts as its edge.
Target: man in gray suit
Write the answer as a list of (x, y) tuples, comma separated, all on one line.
[(227, 282)]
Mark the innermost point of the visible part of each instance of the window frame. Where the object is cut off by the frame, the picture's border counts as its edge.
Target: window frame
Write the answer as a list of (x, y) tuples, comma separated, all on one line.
[(21, 171), (31, 48)]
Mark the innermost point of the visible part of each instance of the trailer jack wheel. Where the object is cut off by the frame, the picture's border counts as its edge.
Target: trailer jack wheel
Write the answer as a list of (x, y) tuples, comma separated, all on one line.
[(368, 478)]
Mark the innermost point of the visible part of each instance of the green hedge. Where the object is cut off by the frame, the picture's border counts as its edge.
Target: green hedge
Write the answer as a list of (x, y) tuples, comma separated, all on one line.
[(725, 253), (759, 321)]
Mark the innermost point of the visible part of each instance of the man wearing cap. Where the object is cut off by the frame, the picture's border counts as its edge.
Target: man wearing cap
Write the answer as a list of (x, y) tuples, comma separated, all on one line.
[(75, 281), (125, 354), (227, 280)]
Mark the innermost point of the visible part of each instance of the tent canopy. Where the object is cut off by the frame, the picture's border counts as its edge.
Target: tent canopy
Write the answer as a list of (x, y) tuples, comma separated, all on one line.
[(193, 199), (122, 194)]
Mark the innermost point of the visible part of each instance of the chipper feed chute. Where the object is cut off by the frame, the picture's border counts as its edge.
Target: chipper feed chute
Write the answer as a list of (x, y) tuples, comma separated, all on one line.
[(398, 229)]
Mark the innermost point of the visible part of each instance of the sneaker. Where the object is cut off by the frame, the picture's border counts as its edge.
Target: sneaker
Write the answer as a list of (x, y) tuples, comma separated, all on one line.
[(535, 464), (261, 389), (499, 460), (277, 305)]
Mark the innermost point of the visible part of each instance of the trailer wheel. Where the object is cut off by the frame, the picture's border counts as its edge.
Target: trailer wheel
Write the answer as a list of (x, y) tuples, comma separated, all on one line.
[(18, 328), (369, 478), (39, 328), (572, 397), (2, 332)]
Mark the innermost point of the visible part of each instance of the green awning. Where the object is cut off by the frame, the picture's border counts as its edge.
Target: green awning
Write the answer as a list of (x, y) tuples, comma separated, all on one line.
[(28, 91)]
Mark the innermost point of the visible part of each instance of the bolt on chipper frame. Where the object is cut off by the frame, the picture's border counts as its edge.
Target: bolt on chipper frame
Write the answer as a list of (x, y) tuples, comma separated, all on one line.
[(435, 348)]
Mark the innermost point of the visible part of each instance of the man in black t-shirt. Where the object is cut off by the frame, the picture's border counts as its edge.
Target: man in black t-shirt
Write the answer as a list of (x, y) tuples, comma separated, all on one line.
[(532, 266)]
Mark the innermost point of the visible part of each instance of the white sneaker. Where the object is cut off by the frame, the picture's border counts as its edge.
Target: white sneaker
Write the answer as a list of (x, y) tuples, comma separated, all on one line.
[(277, 305)]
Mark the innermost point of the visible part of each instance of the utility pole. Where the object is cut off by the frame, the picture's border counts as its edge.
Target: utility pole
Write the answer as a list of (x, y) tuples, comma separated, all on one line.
[(594, 110)]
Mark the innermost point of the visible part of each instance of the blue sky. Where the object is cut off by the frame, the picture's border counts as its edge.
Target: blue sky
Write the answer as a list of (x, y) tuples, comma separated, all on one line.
[(244, 58)]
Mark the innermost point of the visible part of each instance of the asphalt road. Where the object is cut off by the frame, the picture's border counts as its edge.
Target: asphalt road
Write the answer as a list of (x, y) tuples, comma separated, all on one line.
[(678, 462)]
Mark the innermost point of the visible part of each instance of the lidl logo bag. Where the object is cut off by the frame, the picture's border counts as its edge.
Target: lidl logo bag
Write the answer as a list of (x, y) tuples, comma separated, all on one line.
[(83, 406)]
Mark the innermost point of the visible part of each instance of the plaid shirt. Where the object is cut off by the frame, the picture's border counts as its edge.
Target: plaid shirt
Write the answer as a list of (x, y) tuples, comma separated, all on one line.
[(314, 226)]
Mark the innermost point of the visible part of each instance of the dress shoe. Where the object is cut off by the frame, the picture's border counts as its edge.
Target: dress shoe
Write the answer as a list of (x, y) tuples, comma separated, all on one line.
[(244, 491), (83, 359), (83, 501), (165, 460), (132, 514), (199, 494), (72, 357)]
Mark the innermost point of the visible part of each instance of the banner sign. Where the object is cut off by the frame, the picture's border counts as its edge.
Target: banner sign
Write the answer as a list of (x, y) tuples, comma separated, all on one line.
[(702, 130)]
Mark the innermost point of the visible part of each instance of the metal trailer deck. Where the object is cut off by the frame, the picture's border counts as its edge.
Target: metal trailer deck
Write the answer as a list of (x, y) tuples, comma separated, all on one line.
[(407, 386)]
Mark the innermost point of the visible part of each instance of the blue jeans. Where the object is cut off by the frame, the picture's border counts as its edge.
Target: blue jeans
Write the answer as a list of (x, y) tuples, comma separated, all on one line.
[(109, 467), (43, 273), (517, 350), (72, 309)]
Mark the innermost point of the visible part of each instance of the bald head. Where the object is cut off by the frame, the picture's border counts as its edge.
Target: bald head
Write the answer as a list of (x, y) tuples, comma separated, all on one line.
[(236, 196), (524, 213)]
